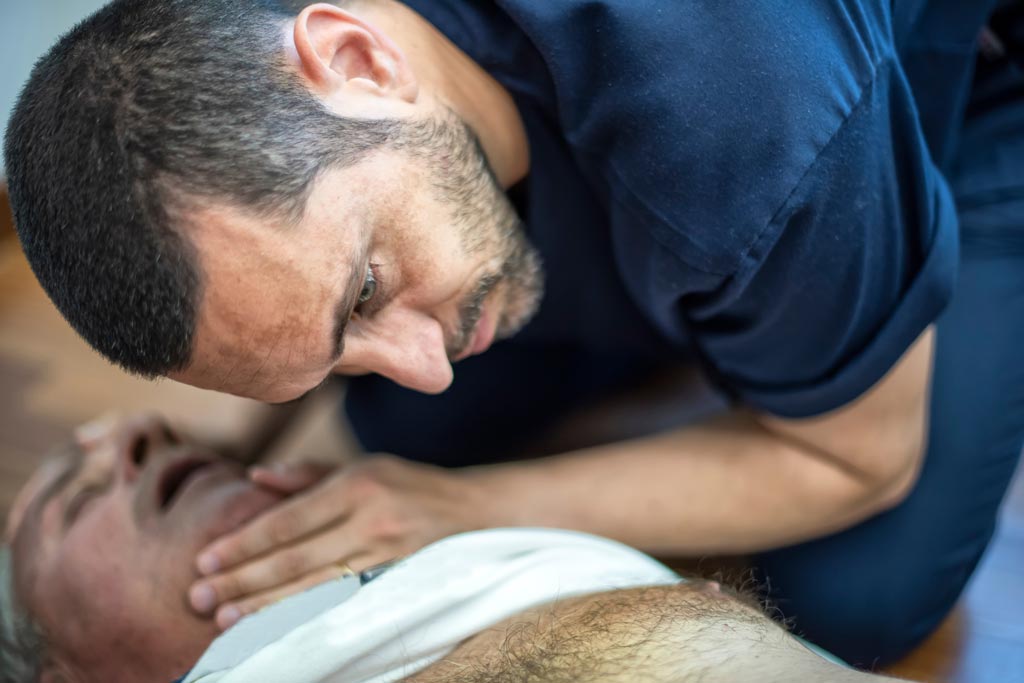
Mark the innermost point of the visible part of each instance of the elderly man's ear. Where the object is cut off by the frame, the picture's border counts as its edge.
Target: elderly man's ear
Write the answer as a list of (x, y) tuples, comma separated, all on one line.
[(351, 65)]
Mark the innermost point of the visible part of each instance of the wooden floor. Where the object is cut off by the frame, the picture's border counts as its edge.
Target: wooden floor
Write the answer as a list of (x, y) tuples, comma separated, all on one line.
[(50, 381)]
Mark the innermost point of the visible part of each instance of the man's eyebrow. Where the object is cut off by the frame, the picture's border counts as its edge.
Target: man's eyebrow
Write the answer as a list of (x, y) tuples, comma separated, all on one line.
[(347, 303), (30, 526), (74, 453)]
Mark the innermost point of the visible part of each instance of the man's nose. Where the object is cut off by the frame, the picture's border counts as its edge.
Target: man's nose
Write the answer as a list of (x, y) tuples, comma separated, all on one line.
[(140, 440), (406, 346)]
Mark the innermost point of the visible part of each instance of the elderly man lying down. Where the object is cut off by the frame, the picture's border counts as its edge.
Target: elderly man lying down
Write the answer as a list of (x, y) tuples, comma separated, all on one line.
[(99, 557)]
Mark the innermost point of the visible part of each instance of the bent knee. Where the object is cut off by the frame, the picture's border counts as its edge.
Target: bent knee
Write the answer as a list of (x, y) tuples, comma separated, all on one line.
[(873, 633)]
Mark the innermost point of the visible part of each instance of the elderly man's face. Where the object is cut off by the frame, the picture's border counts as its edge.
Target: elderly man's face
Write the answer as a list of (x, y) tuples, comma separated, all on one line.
[(104, 538), (401, 264)]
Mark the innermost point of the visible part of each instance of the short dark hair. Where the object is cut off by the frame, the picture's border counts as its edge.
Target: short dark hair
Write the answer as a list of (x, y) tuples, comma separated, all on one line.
[(140, 110)]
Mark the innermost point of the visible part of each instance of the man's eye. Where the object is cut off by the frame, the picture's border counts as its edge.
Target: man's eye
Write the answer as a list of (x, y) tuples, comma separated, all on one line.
[(80, 501), (369, 286)]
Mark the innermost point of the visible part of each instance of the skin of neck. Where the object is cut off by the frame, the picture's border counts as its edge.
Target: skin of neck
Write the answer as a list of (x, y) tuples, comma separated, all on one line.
[(454, 78)]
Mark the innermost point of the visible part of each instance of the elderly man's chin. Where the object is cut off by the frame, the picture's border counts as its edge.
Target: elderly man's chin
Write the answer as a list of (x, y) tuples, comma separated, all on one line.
[(171, 638)]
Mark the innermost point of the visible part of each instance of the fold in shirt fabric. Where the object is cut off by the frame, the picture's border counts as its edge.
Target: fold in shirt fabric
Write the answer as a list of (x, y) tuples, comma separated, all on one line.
[(421, 609)]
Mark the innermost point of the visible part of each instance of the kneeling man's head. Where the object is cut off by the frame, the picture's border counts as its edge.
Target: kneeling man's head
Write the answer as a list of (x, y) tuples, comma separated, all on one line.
[(248, 196)]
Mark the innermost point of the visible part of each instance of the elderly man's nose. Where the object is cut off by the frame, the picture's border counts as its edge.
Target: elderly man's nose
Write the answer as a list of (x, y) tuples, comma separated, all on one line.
[(144, 437)]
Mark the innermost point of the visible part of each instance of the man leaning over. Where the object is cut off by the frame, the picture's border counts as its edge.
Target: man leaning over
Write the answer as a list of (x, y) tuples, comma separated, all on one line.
[(250, 196)]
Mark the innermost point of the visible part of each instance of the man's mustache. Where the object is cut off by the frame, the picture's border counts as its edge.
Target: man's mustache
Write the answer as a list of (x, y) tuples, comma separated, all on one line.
[(470, 312)]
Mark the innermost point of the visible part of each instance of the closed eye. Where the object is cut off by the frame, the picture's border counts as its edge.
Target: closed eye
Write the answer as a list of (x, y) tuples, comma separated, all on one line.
[(80, 500)]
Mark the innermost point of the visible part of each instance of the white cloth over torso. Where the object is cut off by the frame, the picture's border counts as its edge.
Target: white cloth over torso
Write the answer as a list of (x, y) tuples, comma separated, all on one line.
[(421, 609)]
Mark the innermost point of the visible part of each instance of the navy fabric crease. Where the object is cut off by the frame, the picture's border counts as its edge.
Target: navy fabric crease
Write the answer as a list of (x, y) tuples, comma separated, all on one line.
[(786, 193)]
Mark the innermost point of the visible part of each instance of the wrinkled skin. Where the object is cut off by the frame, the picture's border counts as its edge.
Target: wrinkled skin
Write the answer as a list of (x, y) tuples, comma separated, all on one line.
[(103, 563)]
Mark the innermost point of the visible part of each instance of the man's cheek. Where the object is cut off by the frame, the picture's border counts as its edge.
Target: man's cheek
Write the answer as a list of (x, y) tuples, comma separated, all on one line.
[(97, 577), (97, 556), (89, 603)]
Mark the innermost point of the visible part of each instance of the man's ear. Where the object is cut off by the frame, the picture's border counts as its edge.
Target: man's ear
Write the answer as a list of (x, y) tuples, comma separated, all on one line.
[(339, 52)]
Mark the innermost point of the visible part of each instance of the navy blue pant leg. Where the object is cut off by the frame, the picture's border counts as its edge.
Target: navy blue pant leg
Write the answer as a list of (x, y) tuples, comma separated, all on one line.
[(872, 593)]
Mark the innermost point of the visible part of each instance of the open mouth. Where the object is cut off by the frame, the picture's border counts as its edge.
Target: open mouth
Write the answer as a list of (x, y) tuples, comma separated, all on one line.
[(174, 478)]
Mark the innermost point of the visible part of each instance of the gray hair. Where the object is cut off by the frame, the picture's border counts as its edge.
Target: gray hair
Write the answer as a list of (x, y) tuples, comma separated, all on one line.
[(22, 647)]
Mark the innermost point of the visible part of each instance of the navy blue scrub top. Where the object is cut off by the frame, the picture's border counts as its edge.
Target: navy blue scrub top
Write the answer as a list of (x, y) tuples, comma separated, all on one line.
[(755, 186)]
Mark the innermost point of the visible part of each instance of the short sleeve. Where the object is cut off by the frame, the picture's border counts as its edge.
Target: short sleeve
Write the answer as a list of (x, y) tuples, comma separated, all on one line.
[(859, 260)]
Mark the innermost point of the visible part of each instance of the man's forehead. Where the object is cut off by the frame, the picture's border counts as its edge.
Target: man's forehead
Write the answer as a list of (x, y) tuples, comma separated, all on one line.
[(272, 291)]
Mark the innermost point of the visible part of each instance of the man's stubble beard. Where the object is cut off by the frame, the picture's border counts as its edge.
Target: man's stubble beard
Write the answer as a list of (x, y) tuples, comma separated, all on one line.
[(463, 180)]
